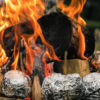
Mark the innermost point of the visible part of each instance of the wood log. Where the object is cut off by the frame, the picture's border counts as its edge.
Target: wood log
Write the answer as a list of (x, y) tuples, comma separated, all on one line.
[(58, 30), (2, 98), (72, 66), (36, 89), (1, 78), (59, 37)]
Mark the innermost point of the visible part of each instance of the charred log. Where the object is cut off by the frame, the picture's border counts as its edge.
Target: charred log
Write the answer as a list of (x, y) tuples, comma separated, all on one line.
[(58, 30), (56, 27)]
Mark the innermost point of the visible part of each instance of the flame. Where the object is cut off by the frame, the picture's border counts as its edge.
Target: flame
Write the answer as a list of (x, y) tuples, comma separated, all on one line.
[(47, 67), (17, 11), (3, 57), (73, 11)]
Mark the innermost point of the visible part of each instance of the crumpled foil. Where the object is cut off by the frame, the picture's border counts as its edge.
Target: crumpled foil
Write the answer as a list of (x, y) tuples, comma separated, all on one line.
[(59, 87), (71, 87), (91, 83), (16, 84)]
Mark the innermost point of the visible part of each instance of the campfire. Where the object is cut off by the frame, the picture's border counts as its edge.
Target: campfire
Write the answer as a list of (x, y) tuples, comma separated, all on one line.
[(46, 53)]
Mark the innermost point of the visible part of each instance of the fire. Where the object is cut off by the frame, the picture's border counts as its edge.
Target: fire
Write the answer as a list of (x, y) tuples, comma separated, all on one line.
[(73, 11), (47, 67), (25, 99), (17, 11), (3, 57)]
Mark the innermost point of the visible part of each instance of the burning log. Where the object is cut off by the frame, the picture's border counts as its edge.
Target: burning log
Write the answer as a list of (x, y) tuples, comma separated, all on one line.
[(58, 33), (89, 42), (60, 37), (56, 36)]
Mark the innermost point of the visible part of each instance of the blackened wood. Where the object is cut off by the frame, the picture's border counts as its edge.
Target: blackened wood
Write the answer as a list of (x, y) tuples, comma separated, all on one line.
[(6, 67), (9, 36), (58, 30), (89, 42), (56, 27)]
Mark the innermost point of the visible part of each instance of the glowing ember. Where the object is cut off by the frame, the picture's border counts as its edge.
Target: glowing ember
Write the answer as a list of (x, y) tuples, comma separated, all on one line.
[(47, 67), (73, 11), (25, 99), (3, 57), (17, 11)]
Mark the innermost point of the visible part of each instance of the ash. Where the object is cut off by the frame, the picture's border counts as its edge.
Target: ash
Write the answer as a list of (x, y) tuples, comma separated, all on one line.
[(16, 84)]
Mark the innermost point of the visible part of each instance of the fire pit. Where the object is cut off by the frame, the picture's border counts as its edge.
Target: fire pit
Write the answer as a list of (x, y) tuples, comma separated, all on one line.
[(45, 51)]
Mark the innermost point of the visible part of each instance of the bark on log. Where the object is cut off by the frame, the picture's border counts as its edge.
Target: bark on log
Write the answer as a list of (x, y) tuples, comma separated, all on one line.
[(57, 29)]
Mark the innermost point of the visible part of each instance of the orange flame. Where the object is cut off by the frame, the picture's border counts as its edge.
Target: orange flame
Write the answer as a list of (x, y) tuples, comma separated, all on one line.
[(3, 57), (17, 11), (47, 67), (73, 11)]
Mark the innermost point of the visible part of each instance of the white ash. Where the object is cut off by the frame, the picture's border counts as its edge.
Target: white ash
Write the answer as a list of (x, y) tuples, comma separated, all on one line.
[(58, 85), (16, 83)]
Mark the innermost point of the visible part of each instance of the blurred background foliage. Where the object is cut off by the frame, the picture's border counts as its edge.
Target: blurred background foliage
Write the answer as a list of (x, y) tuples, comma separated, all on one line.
[(91, 14)]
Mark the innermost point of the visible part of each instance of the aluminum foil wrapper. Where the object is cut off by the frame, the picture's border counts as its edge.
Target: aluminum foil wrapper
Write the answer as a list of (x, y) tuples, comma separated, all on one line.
[(59, 87), (16, 84), (91, 83)]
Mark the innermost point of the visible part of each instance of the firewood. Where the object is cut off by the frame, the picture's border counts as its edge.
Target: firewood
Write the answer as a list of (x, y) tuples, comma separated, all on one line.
[(1, 78), (59, 30), (72, 66), (36, 89), (2, 98)]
